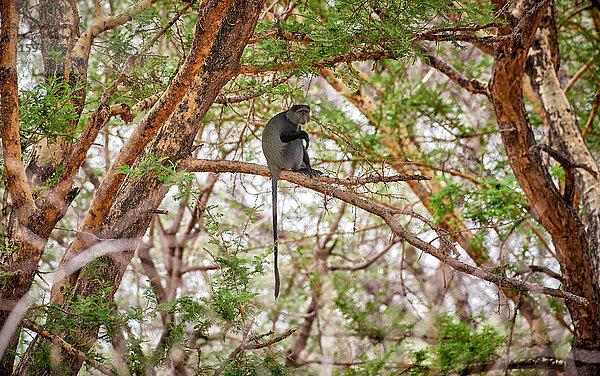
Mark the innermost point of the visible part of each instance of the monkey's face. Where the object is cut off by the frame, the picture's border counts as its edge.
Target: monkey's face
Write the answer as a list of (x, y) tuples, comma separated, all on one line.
[(298, 114), (303, 116)]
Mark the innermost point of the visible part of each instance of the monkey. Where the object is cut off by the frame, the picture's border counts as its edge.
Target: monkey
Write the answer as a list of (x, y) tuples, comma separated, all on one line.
[(283, 147)]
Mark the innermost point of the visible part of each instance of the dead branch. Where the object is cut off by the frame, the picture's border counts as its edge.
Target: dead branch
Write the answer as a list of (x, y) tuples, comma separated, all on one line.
[(541, 269), (246, 346)]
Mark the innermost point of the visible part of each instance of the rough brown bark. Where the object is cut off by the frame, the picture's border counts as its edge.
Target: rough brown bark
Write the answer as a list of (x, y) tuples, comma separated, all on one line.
[(582, 268), (576, 254), (129, 217), (207, 27), (16, 181)]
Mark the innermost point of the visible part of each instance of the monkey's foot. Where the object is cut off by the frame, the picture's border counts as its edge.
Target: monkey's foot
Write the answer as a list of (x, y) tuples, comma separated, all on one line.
[(310, 172)]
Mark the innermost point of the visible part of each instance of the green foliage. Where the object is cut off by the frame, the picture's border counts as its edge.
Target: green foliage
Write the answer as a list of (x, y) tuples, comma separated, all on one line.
[(461, 345), (348, 26), (373, 367), (372, 319), (47, 111), (493, 202)]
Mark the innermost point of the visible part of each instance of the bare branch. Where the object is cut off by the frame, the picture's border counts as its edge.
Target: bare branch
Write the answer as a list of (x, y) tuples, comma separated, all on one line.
[(577, 76), (245, 346), (207, 165), (590, 120), (389, 216), (473, 85), (541, 269), (366, 264)]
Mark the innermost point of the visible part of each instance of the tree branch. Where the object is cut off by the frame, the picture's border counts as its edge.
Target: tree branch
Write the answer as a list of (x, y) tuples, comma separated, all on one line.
[(207, 27), (590, 120), (319, 184), (70, 349), (245, 346), (537, 363), (471, 84)]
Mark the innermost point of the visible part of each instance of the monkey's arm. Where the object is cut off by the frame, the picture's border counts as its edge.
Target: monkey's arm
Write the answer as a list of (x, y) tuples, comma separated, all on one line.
[(294, 135)]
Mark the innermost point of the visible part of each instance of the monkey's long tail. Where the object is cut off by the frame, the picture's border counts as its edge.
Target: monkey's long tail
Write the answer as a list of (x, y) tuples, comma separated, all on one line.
[(274, 178)]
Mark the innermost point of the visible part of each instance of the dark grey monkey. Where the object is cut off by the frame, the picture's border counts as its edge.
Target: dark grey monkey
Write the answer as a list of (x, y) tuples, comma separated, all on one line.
[(283, 147)]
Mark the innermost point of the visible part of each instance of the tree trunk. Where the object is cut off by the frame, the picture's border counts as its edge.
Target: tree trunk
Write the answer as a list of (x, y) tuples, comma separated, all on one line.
[(556, 212), (130, 215)]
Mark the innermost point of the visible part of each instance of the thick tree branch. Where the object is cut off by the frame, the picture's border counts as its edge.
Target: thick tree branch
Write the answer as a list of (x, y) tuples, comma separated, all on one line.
[(328, 62), (207, 27), (101, 24), (16, 180), (208, 165), (434, 35), (537, 363), (388, 215), (103, 112)]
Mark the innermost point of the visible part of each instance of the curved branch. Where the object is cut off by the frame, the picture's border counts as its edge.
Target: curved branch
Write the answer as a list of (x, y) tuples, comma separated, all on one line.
[(319, 184), (70, 349), (471, 84)]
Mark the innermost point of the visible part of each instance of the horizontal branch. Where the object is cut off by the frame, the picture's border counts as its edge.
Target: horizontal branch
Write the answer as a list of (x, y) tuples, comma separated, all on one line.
[(443, 34), (537, 363), (320, 184), (207, 165), (328, 62)]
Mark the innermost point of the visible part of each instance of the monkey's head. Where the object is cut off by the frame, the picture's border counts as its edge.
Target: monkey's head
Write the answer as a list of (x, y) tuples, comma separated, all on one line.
[(299, 114)]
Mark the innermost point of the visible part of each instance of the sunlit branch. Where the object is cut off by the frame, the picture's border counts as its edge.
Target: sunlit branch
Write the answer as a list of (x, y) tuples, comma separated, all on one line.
[(444, 253)]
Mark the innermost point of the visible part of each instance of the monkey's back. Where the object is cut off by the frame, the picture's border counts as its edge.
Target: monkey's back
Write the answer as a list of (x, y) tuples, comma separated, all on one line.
[(279, 154)]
